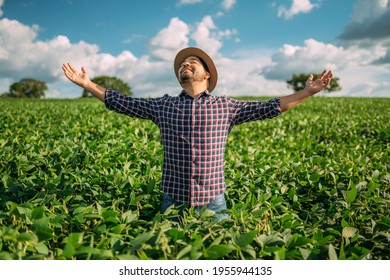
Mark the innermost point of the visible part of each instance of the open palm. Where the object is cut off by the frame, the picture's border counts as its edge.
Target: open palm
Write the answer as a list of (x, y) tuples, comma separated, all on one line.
[(79, 78), (320, 83)]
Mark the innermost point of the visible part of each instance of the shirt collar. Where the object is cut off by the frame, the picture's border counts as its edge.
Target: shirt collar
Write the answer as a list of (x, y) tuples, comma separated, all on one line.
[(206, 93)]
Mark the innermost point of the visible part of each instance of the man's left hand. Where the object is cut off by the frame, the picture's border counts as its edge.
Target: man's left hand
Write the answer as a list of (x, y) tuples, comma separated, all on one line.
[(313, 87)]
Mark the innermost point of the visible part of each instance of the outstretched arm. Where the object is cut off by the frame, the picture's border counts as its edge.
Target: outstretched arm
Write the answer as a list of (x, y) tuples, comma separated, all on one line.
[(82, 80), (311, 88)]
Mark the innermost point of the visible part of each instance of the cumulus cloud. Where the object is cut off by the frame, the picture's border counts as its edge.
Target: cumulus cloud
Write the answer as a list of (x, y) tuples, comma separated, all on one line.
[(23, 55), (314, 56), (228, 4), (169, 40), (384, 59), (353, 65), (239, 76), (258, 72), (297, 7), (205, 38), (370, 20), (364, 81), (369, 27), (19, 52)]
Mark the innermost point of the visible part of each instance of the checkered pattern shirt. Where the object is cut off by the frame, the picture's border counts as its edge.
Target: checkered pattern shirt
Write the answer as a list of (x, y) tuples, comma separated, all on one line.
[(194, 133)]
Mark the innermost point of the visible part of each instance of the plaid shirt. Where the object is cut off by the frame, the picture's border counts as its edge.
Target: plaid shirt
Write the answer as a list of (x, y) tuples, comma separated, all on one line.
[(194, 133)]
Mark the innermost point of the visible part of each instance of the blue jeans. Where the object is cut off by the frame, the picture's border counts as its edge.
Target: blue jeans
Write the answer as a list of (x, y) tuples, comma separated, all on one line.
[(217, 205)]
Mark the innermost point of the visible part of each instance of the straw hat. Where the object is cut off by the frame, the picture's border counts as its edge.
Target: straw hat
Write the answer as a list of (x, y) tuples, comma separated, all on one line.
[(191, 51)]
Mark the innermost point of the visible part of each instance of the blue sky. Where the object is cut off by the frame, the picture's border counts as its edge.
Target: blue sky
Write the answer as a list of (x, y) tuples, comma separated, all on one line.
[(257, 45)]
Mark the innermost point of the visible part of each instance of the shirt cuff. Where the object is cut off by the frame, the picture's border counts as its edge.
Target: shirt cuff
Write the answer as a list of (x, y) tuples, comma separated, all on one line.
[(108, 97), (276, 105)]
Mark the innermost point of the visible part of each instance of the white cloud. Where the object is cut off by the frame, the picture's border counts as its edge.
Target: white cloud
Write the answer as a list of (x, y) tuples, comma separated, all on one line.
[(297, 7), (352, 65), (228, 33), (22, 55), (188, 2), (368, 32), (248, 73), (205, 38), (239, 76), (169, 40), (369, 26), (314, 56), (228, 4), (364, 81)]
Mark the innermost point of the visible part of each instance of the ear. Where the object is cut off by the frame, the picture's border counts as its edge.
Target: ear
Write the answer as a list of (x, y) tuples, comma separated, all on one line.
[(206, 75)]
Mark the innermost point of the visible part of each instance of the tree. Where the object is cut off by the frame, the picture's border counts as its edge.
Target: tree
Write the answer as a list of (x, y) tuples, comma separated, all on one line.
[(110, 82), (298, 82), (27, 88)]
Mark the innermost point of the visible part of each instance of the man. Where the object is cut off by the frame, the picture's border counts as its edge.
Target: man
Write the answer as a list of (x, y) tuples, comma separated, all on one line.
[(194, 125)]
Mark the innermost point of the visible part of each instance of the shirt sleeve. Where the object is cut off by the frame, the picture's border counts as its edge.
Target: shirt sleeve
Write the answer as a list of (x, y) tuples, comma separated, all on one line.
[(143, 108), (246, 111)]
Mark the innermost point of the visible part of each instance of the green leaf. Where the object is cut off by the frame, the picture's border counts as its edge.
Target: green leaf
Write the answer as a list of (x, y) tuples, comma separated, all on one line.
[(184, 252), (299, 241), (344, 223), (75, 238), (175, 234), (27, 236), (68, 251), (42, 229), (118, 229), (351, 194), (37, 213), (306, 253), (246, 238), (314, 177), (216, 252), (42, 249), (140, 240), (129, 216)]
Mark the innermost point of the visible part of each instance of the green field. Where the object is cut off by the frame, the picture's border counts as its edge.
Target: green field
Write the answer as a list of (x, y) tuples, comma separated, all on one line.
[(81, 182)]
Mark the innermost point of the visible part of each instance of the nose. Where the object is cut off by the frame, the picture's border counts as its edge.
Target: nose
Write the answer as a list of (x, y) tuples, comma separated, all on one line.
[(185, 63)]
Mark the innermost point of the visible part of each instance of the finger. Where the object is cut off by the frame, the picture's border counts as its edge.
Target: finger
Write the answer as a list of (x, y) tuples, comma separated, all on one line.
[(67, 71), (322, 74), (83, 69), (65, 67), (72, 68), (328, 77), (310, 78)]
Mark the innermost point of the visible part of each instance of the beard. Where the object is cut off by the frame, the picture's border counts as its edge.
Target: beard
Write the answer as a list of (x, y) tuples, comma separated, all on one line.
[(186, 79), (189, 76)]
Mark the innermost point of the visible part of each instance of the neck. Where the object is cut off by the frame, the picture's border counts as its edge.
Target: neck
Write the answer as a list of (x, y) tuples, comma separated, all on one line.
[(194, 89)]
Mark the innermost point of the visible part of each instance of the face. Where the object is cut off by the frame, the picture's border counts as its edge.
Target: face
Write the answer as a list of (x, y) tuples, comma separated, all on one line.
[(192, 70)]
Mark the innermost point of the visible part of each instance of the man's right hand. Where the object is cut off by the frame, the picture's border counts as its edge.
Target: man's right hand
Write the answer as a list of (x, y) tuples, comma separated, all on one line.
[(82, 80)]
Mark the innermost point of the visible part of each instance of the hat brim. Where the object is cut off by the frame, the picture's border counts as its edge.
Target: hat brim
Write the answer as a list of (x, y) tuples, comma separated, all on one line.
[(191, 51)]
